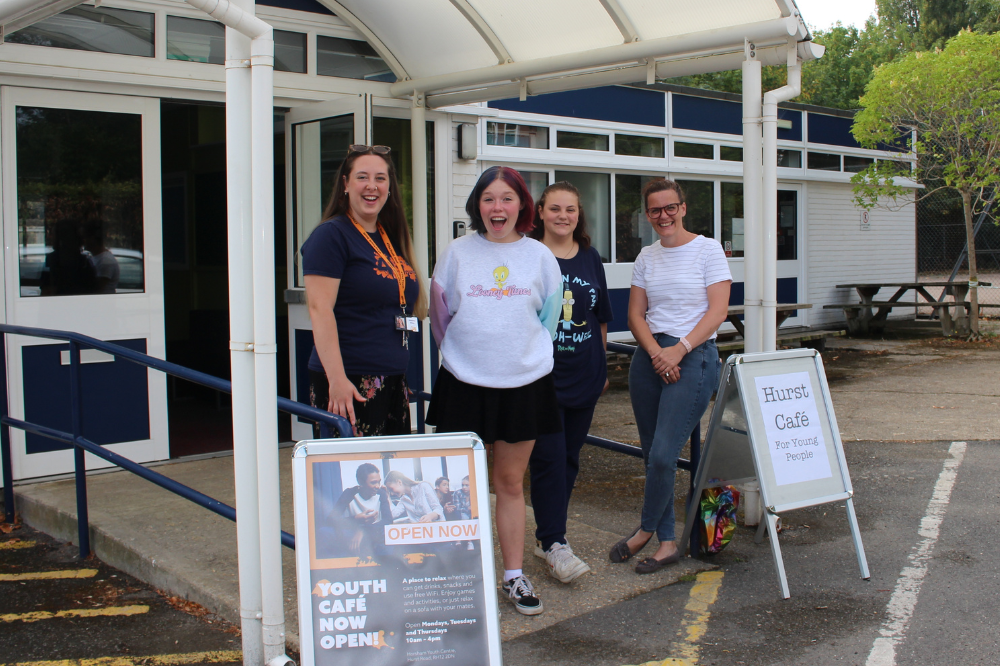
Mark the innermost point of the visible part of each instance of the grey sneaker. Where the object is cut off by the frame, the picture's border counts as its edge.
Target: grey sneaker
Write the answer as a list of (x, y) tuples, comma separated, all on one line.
[(522, 594), (563, 564)]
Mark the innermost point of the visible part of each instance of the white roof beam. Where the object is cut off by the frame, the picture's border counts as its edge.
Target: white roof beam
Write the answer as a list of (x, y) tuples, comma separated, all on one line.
[(484, 30), (383, 51), (686, 66), (604, 57), (621, 19), (18, 14)]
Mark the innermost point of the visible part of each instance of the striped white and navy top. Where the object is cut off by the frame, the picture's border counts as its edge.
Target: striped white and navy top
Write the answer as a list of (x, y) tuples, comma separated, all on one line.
[(675, 280)]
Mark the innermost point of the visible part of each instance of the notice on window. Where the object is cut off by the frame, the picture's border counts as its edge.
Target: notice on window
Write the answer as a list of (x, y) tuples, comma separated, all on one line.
[(791, 423), (396, 559)]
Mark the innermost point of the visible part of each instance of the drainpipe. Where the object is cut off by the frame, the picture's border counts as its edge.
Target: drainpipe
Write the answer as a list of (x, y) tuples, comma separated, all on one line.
[(265, 345), (792, 89), (263, 387), (240, 210), (751, 198), (418, 147)]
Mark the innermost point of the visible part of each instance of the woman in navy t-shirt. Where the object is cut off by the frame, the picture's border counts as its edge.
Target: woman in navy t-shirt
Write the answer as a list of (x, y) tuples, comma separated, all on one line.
[(580, 371), (364, 297)]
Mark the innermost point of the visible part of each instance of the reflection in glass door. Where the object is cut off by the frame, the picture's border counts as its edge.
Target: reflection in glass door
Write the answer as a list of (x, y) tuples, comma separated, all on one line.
[(82, 235)]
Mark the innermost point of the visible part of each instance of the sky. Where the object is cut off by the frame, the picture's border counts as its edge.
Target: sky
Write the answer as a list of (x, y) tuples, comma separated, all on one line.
[(822, 14)]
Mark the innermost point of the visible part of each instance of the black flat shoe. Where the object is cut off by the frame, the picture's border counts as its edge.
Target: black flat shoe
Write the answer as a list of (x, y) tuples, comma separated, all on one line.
[(651, 564), (620, 552)]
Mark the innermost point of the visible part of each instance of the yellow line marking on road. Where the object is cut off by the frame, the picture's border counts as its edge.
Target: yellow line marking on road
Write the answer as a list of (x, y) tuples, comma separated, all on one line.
[(213, 657), (695, 621), (76, 612), (50, 575), (15, 545)]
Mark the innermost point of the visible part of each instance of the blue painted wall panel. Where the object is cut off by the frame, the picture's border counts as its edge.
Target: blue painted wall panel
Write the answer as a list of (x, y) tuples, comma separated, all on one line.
[(610, 103), (299, 5), (718, 115), (115, 398), (831, 130)]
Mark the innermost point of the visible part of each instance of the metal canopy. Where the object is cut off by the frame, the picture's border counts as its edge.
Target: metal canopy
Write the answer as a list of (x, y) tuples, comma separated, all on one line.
[(457, 51)]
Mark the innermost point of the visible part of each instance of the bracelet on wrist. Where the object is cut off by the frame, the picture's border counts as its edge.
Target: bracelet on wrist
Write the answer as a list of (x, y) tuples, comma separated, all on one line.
[(687, 345)]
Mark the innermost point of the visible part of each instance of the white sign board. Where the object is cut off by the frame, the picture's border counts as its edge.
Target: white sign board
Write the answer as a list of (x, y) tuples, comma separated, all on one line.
[(387, 573), (866, 220), (773, 422), (791, 421)]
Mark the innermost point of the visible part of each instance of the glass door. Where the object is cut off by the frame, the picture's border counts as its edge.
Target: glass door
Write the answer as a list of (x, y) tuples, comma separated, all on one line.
[(82, 236), (317, 138)]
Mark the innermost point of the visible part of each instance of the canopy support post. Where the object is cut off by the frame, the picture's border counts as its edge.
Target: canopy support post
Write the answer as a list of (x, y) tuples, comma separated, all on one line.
[(752, 183)]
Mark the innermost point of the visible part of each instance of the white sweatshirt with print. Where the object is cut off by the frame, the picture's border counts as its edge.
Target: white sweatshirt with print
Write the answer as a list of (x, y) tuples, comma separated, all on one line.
[(494, 308)]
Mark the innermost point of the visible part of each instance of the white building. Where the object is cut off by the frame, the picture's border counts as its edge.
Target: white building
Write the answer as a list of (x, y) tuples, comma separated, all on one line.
[(112, 127)]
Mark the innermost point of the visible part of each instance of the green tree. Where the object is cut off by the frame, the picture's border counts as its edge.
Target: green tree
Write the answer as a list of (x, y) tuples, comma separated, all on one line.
[(951, 98)]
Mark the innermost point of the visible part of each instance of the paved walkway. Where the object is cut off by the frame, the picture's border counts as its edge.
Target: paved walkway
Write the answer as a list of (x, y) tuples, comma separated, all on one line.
[(912, 388)]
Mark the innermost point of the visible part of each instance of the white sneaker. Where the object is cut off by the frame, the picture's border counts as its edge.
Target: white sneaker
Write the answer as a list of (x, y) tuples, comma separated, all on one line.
[(563, 564)]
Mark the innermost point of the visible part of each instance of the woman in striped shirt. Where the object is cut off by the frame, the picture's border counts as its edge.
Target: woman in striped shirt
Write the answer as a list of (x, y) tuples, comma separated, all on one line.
[(679, 298)]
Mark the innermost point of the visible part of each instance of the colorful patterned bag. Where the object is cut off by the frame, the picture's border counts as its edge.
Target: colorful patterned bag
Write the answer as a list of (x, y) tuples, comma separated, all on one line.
[(717, 512)]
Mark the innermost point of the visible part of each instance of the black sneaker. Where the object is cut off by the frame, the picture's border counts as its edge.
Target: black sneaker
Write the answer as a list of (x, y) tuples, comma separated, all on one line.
[(522, 594)]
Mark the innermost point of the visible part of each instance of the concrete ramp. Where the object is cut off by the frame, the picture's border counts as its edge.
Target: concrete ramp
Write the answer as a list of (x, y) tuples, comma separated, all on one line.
[(190, 552)]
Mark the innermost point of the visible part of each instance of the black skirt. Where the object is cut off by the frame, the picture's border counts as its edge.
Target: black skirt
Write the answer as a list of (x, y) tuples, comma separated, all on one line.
[(506, 414)]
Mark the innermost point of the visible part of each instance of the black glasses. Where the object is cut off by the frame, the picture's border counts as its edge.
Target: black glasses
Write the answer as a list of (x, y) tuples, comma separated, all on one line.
[(361, 148), (669, 209)]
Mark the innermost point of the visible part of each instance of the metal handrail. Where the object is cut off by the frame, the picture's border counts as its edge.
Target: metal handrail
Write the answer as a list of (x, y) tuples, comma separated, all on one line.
[(79, 341)]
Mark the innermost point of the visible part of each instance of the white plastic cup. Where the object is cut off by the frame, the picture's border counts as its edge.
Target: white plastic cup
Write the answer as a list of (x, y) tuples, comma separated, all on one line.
[(750, 499)]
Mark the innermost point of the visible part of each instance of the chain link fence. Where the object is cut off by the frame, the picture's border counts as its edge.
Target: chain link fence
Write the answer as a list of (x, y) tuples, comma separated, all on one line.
[(941, 245)]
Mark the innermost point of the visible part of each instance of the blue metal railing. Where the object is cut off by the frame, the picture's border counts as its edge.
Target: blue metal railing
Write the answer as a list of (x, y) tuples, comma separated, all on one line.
[(689, 465), (81, 445)]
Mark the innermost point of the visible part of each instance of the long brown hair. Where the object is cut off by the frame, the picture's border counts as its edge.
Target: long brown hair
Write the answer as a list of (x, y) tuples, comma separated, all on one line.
[(580, 234), (392, 217)]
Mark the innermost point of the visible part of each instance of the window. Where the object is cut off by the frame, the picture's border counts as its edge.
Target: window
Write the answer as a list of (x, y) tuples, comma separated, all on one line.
[(350, 59), (595, 200), (902, 168), (854, 164), (730, 154), (196, 40), (517, 136), (79, 203), (732, 219), (289, 51), (791, 159), (788, 223), (698, 151), (536, 181), (632, 229), (823, 161), (88, 28), (638, 146), (699, 195), (582, 141)]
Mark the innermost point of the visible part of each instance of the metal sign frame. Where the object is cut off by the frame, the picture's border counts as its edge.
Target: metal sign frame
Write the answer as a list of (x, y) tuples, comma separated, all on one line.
[(736, 449), (394, 641)]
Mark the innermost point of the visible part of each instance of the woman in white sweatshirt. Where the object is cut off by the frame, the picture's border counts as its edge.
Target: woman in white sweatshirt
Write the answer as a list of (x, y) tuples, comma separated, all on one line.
[(495, 301)]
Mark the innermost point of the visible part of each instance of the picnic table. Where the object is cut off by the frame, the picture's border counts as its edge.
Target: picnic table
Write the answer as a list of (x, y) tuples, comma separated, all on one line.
[(862, 320), (784, 311)]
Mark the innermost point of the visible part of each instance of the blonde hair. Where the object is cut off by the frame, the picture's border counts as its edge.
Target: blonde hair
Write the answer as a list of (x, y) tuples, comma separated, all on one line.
[(396, 475)]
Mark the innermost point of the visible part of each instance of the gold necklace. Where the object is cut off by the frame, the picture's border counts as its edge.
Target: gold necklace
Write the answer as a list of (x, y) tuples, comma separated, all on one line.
[(572, 249)]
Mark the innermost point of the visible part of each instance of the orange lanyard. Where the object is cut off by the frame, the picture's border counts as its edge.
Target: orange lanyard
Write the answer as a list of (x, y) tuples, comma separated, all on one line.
[(396, 264)]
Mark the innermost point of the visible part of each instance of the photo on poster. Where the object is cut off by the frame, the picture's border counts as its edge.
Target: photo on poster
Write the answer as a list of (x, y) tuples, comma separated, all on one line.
[(396, 564)]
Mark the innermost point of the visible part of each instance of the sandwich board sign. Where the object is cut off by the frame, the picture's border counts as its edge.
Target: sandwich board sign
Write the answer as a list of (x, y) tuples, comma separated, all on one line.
[(387, 573), (773, 421)]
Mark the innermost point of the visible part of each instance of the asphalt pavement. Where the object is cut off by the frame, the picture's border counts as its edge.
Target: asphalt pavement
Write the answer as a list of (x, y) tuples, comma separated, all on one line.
[(55, 606)]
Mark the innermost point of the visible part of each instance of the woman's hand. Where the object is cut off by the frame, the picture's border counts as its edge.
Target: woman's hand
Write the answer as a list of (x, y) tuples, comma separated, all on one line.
[(342, 396), (607, 383), (667, 358), (429, 517)]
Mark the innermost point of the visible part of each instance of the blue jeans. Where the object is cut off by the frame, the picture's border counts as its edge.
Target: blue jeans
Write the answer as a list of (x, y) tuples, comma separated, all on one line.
[(665, 415)]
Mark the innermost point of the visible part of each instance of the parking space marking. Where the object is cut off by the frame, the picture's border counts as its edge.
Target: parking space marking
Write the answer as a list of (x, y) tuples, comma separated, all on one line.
[(904, 596), (16, 545), (697, 611), (49, 575), (108, 611), (213, 657)]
